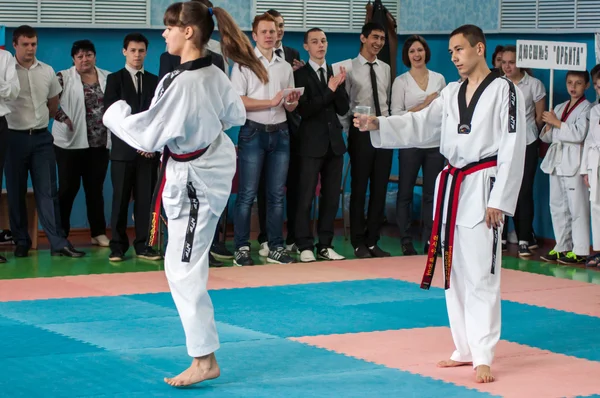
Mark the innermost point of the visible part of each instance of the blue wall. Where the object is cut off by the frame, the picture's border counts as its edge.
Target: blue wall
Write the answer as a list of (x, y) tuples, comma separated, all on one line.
[(55, 44)]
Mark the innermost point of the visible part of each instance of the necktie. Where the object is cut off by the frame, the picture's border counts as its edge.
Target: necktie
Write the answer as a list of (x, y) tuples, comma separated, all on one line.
[(374, 88), (139, 87), (322, 75), (278, 52)]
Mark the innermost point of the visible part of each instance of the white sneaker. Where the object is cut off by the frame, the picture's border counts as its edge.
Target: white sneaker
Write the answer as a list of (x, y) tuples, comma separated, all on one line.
[(101, 240), (293, 249), (264, 249), (307, 256), (330, 254)]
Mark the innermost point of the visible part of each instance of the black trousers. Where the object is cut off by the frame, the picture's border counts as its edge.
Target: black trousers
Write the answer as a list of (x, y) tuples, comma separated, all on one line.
[(410, 161), (137, 177), (88, 165), (369, 167), (33, 154), (524, 212), (330, 168), (3, 146), (291, 197)]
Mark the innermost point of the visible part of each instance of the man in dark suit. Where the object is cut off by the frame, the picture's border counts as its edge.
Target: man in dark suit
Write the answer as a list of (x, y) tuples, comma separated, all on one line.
[(132, 171), (292, 57), (321, 149)]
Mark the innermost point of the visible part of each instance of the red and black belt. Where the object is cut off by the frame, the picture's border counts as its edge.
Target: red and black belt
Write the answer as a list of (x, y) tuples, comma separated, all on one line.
[(458, 175), (160, 186)]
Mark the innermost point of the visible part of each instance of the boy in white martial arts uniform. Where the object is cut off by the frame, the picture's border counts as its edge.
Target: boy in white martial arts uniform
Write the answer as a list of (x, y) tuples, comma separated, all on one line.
[(569, 203), (590, 168), (480, 124), (192, 107)]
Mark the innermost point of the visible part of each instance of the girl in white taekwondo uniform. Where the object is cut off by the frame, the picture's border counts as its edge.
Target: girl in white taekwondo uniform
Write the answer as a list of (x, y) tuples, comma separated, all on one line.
[(481, 127), (590, 170), (191, 108), (569, 204)]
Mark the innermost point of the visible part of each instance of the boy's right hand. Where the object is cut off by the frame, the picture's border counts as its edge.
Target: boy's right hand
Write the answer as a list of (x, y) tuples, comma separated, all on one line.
[(586, 180)]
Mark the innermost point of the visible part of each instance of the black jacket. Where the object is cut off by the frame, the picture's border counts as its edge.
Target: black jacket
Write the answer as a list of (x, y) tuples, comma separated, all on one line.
[(319, 108), (119, 86)]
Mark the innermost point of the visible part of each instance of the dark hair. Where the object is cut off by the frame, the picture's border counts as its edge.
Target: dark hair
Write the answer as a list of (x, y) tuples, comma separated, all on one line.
[(408, 43), (260, 18), (82, 45), (579, 73), (511, 49), (311, 31), (473, 34), (234, 43), (274, 13), (370, 27), (135, 37), (501, 49), (24, 30), (595, 73), (205, 2)]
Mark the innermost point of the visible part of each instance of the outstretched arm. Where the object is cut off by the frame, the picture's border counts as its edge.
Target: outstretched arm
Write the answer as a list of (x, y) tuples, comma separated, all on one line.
[(408, 130)]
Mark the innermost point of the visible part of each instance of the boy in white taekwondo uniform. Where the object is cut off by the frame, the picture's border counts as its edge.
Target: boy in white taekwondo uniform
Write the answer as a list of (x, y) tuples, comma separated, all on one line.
[(192, 107), (569, 204), (590, 170), (483, 129)]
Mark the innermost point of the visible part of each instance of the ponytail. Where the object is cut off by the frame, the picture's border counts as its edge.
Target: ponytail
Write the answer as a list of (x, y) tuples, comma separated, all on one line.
[(236, 45)]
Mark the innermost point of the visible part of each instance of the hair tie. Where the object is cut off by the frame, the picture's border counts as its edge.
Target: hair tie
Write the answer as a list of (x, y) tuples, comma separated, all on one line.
[(210, 11)]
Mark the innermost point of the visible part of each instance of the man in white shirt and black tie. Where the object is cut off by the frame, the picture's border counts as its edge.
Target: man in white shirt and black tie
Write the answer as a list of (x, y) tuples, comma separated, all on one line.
[(30, 149), (368, 84), (132, 171)]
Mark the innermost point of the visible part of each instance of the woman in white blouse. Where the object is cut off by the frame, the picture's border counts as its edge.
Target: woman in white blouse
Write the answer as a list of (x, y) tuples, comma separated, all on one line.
[(81, 141), (411, 92)]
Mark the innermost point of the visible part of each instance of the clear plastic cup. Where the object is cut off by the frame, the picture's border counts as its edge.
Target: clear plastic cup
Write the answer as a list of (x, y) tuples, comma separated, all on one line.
[(363, 116)]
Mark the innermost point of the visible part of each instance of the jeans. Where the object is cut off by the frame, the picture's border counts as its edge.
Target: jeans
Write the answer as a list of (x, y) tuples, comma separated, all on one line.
[(255, 148)]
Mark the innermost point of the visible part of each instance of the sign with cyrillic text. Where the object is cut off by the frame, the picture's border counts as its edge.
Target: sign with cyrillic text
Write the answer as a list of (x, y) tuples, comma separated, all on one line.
[(551, 55)]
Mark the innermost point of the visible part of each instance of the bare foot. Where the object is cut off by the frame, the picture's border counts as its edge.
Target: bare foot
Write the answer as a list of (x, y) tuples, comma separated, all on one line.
[(203, 368), (484, 374), (452, 364)]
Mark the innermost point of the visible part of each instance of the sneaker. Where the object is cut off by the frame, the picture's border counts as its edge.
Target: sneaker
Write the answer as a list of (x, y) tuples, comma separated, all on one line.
[(377, 252), (101, 240), (242, 257), (264, 250), (6, 237), (572, 258), (279, 256), (362, 251), (213, 262), (307, 256), (116, 256), (327, 253), (552, 256), (524, 250), (3, 259), (150, 254), (219, 251), (293, 249)]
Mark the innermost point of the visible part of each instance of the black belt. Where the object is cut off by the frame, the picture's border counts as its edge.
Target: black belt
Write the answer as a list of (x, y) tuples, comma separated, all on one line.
[(160, 185), (269, 128), (31, 131)]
